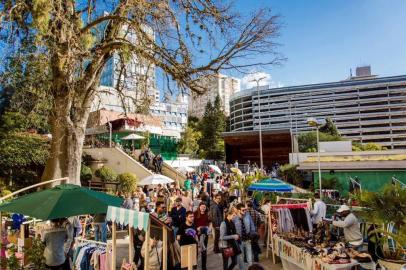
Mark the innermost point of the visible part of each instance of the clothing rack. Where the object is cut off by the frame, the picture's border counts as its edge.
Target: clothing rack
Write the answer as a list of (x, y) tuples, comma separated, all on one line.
[(87, 241), (278, 206)]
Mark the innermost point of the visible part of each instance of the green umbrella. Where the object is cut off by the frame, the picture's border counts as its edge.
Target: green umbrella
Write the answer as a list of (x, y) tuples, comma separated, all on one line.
[(61, 201)]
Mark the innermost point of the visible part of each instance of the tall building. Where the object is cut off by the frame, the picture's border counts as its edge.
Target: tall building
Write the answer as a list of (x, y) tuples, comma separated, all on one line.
[(135, 78), (218, 84), (172, 113), (365, 108)]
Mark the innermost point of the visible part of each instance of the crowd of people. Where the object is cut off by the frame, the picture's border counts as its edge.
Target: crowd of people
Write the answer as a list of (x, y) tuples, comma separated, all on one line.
[(204, 206)]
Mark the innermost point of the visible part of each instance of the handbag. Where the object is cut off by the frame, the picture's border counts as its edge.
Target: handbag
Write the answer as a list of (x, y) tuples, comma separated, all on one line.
[(228, 252)]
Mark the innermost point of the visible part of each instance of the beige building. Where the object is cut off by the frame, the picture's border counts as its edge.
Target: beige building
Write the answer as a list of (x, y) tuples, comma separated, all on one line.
[(219, 84)]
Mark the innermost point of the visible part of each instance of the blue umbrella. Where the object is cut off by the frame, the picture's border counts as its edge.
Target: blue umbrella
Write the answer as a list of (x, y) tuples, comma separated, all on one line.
[(271, 185)]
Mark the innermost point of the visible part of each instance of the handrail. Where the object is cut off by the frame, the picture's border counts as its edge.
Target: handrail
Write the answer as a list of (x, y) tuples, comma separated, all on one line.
[(33, 186)]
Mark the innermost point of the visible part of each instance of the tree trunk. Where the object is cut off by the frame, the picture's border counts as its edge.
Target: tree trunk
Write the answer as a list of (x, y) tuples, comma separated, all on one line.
[(68, 134)]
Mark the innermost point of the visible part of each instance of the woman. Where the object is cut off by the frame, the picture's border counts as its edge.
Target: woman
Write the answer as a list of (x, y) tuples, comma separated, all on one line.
[(57, 242), (202, 223), (228, 238)]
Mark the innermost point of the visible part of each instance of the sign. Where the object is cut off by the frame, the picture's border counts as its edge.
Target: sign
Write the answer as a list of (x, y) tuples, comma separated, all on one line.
[(188, 256)]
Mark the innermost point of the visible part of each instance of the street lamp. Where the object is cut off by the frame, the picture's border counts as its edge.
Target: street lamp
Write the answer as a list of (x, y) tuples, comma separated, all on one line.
[(259, 118), (313, 122)]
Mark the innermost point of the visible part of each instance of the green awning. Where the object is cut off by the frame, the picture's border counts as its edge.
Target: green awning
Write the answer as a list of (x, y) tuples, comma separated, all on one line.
[(61, 201)]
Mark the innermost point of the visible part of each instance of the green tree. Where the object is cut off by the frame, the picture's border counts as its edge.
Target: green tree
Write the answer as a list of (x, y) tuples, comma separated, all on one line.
[(308, 141), (330, 128), (78, 38), (188, 143), (212, 126), (22, 157)]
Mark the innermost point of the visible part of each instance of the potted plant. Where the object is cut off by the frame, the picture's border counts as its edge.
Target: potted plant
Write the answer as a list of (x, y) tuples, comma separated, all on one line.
[(387, 209)]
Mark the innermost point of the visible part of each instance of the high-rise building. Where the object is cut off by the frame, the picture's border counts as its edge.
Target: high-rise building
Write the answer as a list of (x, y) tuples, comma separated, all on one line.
[(218, 84), (135, 80), (365, 108), (172, 113)]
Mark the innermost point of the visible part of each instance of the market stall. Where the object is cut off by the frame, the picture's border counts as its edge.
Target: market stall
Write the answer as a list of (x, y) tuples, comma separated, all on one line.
[(300, 246), (59, 202)]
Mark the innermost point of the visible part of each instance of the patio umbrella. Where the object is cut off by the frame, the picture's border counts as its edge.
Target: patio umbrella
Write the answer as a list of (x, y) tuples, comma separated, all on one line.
[(215, 169), (186, 169), (155, 179), (133, 137), (61, 201), (271, 185)]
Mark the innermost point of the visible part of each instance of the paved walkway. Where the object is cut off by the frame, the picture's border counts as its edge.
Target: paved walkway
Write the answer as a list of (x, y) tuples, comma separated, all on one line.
[(215, 261)]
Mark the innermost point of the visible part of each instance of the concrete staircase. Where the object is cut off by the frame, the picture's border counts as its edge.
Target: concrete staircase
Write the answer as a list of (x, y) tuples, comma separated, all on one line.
[(121, 162)]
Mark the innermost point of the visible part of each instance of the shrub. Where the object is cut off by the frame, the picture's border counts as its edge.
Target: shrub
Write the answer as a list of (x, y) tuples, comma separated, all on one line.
[(128, 182), (86, 173), (291, 174), (106, 174)]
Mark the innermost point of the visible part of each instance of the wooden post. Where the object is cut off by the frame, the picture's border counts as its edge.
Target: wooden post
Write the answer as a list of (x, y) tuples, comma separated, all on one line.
[(1, 235), (146, 259), (131, 245), (190, 258), (84, 229), (114, 248), (165, 248)]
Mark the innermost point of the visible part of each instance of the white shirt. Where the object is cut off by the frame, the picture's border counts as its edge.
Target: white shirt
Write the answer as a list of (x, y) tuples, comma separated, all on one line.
[(352, 232), (319, 211), (265, 208)]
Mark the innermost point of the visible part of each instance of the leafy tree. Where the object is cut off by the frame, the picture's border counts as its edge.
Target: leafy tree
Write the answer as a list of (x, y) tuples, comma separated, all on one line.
[(291, 174), (22, 157), (78, 38), (211, 126), (330, 128), (308, 141), (188, 143)]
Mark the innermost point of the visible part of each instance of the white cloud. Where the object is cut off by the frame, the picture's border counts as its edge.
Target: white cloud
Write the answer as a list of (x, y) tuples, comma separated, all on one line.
[(247, 81)]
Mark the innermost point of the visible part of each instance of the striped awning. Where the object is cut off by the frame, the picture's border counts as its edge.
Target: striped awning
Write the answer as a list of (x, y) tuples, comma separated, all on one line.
[(135, 219)]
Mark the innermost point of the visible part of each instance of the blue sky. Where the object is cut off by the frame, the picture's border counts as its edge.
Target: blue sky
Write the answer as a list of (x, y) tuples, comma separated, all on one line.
[(323, 39)]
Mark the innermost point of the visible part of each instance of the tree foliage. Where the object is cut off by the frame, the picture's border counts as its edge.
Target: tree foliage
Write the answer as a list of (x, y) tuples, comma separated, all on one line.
[(128, 182), (357, 147), (106, 174), (330, 128), (308, 140), (212, 126), (291, 174), (78, 38), (188, 143)]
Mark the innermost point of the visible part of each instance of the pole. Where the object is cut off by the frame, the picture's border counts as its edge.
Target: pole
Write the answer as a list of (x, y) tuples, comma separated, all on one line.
[(114, 247), (260, 130), (165, 249), (318, 160), (110, 134)]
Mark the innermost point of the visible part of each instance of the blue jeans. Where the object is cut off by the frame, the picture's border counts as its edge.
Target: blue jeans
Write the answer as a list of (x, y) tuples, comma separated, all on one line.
[(246, 249), (100, 232)]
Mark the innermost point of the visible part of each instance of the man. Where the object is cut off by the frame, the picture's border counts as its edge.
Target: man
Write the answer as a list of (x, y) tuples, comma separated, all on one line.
[(216, 216), (187, 202), (160, 213), (319, 211), (100, 227), (349, 222), (258, 219), (244, 227), (187, 233), (178, 215)]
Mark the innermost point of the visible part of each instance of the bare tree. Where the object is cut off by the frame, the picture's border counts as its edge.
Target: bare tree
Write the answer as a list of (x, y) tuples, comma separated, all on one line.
[(79, 37)]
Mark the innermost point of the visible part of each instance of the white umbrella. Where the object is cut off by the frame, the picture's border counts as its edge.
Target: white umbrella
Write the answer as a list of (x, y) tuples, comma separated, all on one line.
[(215, 169), (155, 179), (186, 169), (133, 136)]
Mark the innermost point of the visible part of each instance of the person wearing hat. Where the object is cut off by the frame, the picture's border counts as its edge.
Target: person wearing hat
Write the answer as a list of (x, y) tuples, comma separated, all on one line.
[(349, 222)]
